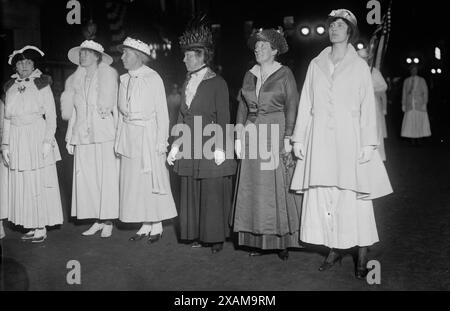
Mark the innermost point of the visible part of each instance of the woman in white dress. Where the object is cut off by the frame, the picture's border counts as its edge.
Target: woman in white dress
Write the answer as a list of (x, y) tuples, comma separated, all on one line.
[(3, 178), (145, 194), (414, 105), (380, 88), (29, 147), (334, 138), (89, 102)]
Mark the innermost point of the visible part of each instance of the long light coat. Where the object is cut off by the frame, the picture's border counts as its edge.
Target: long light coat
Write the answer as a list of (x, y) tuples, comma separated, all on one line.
[(92, 119), (414, 97), (336, 118)]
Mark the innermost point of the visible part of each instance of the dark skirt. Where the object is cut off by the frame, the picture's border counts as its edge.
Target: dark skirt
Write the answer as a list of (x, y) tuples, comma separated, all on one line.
[(205, 206), (267, 212)]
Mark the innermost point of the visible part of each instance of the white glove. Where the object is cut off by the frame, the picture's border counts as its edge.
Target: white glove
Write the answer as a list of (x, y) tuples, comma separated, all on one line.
[(172, 155), (238, 148), (299, 150), (70, 148), (5, 154), (219, 157), (287, 145), (46, 148), (366, 154)]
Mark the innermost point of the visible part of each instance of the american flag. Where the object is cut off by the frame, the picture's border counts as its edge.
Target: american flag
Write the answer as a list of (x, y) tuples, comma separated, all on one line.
[(380, 39)]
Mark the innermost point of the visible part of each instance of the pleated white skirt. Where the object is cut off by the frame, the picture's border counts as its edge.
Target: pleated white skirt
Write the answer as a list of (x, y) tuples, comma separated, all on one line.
[(416, 124), (336, 218)]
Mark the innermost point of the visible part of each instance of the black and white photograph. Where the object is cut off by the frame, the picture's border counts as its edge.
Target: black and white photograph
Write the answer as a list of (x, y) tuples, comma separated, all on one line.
[(224, 152)]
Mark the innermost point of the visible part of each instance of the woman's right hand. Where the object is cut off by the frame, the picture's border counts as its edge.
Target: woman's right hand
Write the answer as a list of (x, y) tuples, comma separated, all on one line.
[(5, 156), (171, 158), (238, 148), (299, 150), (70, 148)]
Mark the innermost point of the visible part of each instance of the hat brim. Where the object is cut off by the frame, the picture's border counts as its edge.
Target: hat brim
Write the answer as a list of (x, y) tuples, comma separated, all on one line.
[(74, 55), (120, 47)]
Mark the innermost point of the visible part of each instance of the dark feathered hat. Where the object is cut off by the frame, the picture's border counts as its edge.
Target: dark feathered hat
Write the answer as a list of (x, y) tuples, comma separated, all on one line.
[(27, 52), (275, 37), (198, 34)]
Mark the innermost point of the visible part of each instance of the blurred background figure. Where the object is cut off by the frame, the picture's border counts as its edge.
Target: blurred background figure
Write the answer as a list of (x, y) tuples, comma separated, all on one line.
[(173, 104), (416, 123), (380, 87)]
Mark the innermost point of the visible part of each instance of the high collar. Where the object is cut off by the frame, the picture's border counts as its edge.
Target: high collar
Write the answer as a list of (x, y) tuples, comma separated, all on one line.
[(208, 74), (256, 70), (323, 59), (140, 71), (198, 71), (35, 74)]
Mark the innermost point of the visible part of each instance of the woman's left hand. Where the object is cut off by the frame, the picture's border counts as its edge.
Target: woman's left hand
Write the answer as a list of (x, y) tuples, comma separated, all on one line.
[(287, 145), (219, 157), (366, 154), (46, 148)]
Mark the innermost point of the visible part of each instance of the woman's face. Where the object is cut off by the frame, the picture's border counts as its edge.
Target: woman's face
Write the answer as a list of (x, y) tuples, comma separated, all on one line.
[(25, 68), (193, 60), (87, 58), (338, 31), (264, 52)]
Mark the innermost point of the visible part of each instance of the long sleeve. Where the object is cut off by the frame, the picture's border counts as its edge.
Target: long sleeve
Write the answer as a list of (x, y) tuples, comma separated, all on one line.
[(404, 94), (2, 117), (303, 119), (241, 115), (368, 120), (162, 113), (107, 91), (222, 112), (70, 127), (425, 92), (67, 99), (291, 104), (50, 114)]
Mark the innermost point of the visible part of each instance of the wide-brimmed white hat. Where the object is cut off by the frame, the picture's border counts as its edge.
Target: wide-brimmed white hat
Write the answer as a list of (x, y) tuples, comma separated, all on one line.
[(135, 44), (74, 53)]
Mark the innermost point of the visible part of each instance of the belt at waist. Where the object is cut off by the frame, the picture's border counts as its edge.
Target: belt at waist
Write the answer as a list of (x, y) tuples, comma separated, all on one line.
[(255, 113), (354, 113), (26, 119)]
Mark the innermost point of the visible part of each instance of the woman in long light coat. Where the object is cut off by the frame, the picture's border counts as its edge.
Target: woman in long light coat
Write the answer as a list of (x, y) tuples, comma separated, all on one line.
[(89, 102), (334, 138), (414, 104), (145, 194), (3, 178), (29, 147)]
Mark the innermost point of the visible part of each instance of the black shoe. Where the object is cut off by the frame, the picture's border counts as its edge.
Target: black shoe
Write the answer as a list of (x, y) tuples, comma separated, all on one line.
[(154, 238), (217, 247), (255, 254), (196, 245), (283, 254), (332, 258), (137, 237)]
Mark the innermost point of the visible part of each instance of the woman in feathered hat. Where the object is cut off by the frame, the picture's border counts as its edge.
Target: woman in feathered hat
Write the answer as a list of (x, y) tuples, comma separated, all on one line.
[(267, 214), (206, 185), (29, 147), (334, 139), (145, 194), (89, 103)]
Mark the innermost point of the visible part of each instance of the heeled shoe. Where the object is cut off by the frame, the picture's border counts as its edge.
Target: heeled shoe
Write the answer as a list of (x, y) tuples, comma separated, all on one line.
[(154, 238), (217, 247), (137, 237), (283, 254), (196, 245), (361, 272), (39, 239), (28, 236), (254, 254), (106, 231), (93, 229), (326, 265)]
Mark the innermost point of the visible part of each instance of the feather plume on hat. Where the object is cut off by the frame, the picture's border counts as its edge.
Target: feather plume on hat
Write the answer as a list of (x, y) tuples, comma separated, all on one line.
[(198, 34)]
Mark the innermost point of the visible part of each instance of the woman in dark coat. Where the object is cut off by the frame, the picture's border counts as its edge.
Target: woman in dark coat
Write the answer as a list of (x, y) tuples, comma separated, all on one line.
[(267, 214), (206, 181)]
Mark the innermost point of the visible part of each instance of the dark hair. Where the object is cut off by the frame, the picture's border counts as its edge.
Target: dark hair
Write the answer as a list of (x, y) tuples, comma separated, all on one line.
[(27, 54), (208, 54), (353, 33)]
